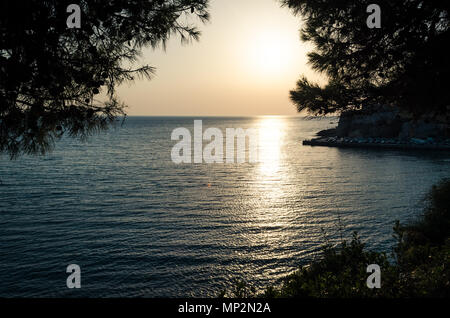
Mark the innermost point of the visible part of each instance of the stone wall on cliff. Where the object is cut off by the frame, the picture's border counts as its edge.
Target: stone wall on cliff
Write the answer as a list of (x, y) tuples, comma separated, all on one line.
[(390, 122)]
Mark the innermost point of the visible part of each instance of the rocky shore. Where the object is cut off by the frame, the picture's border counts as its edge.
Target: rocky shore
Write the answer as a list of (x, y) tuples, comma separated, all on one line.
[(386, 127), (379, 142)]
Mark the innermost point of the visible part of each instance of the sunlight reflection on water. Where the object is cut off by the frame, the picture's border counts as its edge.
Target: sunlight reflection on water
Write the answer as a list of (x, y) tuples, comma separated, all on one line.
[(271, 131)]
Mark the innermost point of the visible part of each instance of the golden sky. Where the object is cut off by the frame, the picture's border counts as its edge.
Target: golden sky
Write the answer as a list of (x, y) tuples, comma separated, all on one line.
[(248, 58)]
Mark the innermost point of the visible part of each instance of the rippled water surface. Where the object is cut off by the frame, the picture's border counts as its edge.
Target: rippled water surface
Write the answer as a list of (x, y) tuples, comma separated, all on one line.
[(140, 225)]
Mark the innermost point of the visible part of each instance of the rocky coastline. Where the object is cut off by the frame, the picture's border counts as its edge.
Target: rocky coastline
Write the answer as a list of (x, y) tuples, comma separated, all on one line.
[(347, 142), (386, 127)]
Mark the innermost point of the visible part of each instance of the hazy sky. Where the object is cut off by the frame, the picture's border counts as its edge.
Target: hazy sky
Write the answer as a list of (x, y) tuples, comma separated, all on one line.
[(248, 58)]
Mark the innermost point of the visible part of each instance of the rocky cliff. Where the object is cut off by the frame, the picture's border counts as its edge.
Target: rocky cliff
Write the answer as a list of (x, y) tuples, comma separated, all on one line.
[(390, 122)]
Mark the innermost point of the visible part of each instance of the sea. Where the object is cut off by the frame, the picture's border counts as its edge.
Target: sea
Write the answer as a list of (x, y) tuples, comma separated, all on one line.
[(139, 225)]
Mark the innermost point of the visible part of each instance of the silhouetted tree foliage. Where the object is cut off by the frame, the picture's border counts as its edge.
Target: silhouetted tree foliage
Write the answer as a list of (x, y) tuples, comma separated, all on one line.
[(50, 75), (402, 63)]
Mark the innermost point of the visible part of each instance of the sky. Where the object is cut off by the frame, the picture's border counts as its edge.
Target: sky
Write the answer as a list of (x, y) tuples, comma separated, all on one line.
[(248, 58)]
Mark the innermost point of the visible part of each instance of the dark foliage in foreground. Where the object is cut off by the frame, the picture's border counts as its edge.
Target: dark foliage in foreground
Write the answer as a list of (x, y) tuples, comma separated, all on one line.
[(50, 75), (402, 63), (421, 267)]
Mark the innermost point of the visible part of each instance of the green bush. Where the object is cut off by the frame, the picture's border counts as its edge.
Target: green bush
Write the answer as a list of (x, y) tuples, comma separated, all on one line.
[(341, 272)]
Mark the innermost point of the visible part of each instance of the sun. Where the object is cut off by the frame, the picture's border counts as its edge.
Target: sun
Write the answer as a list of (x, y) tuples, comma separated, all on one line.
[(270, 52)]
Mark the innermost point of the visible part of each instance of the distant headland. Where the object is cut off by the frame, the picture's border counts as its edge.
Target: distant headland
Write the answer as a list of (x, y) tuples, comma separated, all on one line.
[(384, 126)]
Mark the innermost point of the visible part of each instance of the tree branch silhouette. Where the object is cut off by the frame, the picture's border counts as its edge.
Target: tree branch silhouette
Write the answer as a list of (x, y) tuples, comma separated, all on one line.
[(51, 76)]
